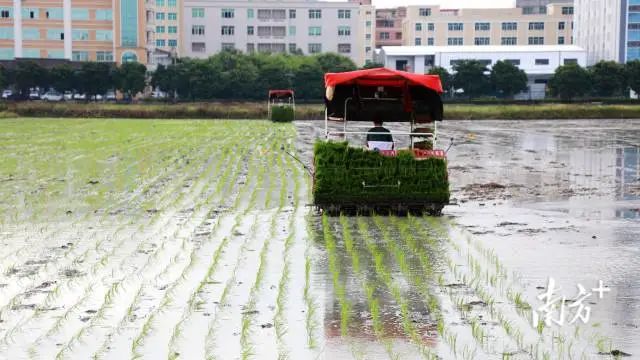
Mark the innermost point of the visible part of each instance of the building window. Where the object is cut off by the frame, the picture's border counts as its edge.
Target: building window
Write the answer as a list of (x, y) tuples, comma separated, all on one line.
[(561, 25), (29, 13), (515, 62), (160, 16), (173, 16), (344, 48), (430, 27), (31, 53), (344, 14), (511, 40), (172, 29), (424, 12), (292, 31), (315, 48), (315, 31), (417, 41), (568, 10), (385, 23), (172, 3), (481, 41), (542, 61), (454, 41), (160, 43), (228, 46), (430, 41), (129, 23), (104, 56), (228, 13), (483, 26), (34, 34), (52, 34), (101, 15), (536, 40), (6, 54), (79, 14), (509, 26), (160, 2), (292, 14), (129, 56), (344, 31), (173, 43), (536, 26), (80, 55), (197, 30), (227, 30), (398, 35), (6, 33), (5, 13), (197, 12), (250, 30), (160, 29), (104, 35), (455, 26), (315, 14), (367, 37), (293, 48), (570, 61), (384, 36), (251, 48), (560, 40), (198, 47), (418, 26), (250, 14)]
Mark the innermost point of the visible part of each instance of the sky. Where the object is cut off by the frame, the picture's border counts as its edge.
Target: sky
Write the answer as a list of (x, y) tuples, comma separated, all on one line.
[(450, 4)]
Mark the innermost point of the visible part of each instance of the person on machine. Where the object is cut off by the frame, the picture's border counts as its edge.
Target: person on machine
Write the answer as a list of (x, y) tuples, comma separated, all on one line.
[(379, 137)]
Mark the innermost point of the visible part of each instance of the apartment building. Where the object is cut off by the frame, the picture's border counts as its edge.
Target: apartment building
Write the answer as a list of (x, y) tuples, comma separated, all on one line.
[(79, 30), (389, 26), (166, 24), (608, 29), (295, 26), (435, 26)]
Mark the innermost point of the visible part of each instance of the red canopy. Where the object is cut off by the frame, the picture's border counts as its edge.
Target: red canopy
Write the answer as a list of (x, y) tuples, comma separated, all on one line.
[(383, 77)]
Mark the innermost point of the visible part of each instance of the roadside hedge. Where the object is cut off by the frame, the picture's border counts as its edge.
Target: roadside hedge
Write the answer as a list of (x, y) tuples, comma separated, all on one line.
[(341, 170)]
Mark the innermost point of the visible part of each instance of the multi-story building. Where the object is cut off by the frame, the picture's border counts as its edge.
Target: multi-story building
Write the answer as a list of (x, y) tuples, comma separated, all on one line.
[(435, 26), (295, 26), (389, 26), (167, 24), (608, 29), (80, 30), (538, 6), (538, 62)]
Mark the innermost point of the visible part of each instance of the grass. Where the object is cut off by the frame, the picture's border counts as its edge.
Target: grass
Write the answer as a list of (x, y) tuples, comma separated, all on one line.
[(258, 110)]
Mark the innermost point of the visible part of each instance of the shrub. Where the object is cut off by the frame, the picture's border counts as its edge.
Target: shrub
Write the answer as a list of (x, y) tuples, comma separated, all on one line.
[(347, 175), (282, 113)]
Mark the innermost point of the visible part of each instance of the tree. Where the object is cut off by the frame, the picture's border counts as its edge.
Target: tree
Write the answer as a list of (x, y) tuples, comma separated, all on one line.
[(507, 79), (632, 72), (238, 75), (608, 78), (372, 65), (330, 62), (28, 75), (3, 77), (308, 80), (445, 77), (94, 78), (570, 81), (62, 78), (166, 79), (469, 75), (131, 78)]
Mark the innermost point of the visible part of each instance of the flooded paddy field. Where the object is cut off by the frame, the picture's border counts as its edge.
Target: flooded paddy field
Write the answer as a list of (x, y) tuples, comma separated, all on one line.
[(194, 240)]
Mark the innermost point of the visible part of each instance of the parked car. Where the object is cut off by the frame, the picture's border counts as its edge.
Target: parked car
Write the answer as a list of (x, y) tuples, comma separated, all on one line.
[(97, 97), (158, 94), (68, 95), (52, 95), (7, 94), (110, 96), (79, 97), (34, 94)]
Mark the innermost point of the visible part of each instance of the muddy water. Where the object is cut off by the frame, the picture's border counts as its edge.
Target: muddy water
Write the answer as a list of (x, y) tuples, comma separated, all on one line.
[(569, 209)]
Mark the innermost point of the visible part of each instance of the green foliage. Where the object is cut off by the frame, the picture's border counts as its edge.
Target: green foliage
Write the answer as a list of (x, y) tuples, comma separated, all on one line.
[(62, 78), (445, 77), (29, 75), (94, 78), (507, 79), (608, 78), (632, 72), (340, 171), (3, 77), (330, 62), (372, 65), (282, 113), (469, 75), (130, 78), (570, 81)]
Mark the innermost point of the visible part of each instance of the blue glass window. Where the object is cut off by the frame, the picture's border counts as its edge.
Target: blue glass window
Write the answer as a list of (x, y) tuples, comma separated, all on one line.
[(31, 53), (104, 14), (172, 16), (160, 16), (129, 56), (6, 54), (30, 13), (30, 34), (634, 35), (55, 54), (54, 14), (634, 17), (129, 23), (104, 35), (80, 56), (80, 14), (6, 33), (160, 43), (55, 34), (80, 34), (173, 43)]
